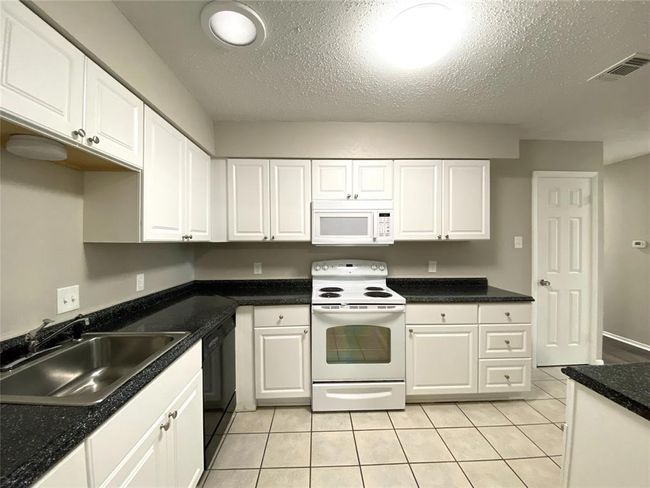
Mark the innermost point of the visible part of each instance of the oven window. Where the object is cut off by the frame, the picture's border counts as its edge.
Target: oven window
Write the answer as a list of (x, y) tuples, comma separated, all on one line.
[(344, 226), (357, 344)]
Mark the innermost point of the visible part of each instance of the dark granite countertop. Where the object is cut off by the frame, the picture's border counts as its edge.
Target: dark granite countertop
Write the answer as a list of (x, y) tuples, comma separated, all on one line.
[(36, 437), (625, 384)]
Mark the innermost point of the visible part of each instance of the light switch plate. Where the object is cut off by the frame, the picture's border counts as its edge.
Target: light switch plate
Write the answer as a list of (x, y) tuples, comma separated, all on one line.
[(67, 299), (433, 266), (519, 242), (139, 282), (257, 268)]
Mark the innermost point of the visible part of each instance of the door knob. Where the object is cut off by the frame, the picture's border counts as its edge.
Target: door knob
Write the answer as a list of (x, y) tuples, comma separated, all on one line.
[(544, 282)]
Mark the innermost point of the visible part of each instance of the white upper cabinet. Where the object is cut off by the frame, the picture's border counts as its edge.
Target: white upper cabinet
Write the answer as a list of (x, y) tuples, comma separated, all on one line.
[(332, 179), (290, 200), (113, 117), (466, 199), (164, 186), (372, 180), (248, 200), (198, 204), (418, 200), (42, 73)]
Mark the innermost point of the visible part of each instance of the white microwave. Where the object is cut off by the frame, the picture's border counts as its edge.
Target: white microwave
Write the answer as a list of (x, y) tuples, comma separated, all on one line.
[(352, 222)]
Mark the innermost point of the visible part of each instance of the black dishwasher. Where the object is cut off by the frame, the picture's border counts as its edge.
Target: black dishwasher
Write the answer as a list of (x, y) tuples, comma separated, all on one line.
[(218, 385)]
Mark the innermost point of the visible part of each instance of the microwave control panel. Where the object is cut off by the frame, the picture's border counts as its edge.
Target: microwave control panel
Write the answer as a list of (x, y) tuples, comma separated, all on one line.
[(384, 225)]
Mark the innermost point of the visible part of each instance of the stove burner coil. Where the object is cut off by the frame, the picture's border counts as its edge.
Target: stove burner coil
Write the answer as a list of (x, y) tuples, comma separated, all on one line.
[(378, 294), (374, 288), (331, 288), (329, 295)]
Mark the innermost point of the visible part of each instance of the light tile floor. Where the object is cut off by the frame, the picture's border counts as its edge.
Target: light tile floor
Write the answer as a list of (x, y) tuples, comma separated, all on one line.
[(468, 445)]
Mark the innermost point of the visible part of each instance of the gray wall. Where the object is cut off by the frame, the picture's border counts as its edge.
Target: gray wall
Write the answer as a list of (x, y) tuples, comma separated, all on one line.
[(42, 249), (497, 259), (627, 270)]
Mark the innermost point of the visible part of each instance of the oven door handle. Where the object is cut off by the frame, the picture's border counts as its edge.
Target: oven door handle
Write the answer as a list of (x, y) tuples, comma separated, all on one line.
[(321, 309)]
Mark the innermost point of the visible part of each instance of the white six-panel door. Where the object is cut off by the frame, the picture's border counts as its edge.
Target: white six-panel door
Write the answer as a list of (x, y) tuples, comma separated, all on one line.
[(42, 74), (113, 117), (198, 193), (248, 200), (290, 199), (466, 199), (164, 181), (418, 200), (564, 240), (332, 179), (372, 180)]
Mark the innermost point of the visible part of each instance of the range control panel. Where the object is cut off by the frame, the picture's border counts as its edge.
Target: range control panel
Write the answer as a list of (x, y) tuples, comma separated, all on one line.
[(350, 267)]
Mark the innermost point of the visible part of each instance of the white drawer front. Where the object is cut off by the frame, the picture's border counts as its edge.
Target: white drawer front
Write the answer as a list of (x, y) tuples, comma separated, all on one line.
[(279, 315), (452, 313), (504, 341), (503, 375), (504, 313)]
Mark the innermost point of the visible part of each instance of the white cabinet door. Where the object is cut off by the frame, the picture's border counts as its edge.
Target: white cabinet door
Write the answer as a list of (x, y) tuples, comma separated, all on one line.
[(332, 179), (282, 362), (466, 199), (113, 117), (187, 435), (418, 200), (290, 200), (164, 190), (441, 359), (373, 180), (69, 473), (42, 74), (198, 193), (248, 200)]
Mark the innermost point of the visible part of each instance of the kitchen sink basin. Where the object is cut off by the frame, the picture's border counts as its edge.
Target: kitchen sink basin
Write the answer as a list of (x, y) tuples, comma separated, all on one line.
[(87, 371)]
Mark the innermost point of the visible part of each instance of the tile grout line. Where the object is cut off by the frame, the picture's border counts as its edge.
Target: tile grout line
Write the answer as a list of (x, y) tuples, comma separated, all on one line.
[(311, 442), (531, 440), (268, 434), (406, 458), (356, 449), (452, 453)]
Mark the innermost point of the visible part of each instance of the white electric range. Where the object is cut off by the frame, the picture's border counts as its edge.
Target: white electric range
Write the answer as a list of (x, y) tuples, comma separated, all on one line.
[(358, 337)]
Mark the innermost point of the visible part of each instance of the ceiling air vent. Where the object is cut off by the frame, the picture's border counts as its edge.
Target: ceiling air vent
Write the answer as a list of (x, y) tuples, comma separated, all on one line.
[(623, 67)]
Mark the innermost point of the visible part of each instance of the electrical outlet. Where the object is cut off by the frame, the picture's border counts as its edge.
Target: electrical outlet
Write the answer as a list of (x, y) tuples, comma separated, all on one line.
[(139, 282), (67, 299), (519, 242), (433, 266), (257, 268)]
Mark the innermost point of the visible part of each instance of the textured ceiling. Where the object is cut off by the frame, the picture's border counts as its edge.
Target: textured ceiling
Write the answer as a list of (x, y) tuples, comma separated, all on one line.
[(518, 62)]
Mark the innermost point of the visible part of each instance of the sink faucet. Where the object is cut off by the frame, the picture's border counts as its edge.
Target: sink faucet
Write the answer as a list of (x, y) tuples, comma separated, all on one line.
[(33, 341)]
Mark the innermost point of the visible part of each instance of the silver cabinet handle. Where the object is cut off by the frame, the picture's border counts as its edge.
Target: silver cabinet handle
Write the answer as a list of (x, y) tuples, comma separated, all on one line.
[(280, 317), (173, 414), (507, 342), (166, 425), (349, 195), (506, 376), (306, 331), (272, 238), (356, 196), (443, 315), (439, 236), (190, 236), (410, 331), (265, 238), (93, 140), (507, 314), (544, 282), (447, 236), (79, 133)]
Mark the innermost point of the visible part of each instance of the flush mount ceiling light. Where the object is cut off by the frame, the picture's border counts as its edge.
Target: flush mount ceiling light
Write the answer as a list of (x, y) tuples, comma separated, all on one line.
[(420, 35), (232, 24), (36, 147)]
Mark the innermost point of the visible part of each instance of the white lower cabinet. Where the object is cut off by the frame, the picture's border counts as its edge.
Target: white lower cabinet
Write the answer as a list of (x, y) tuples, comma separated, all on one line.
[(504, 375), (154, 440), (441, 359)]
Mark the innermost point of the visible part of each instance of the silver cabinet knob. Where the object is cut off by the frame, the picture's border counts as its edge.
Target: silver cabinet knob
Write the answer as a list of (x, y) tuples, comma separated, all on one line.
[(439, 236), (272, 238), (507, 342), (93, 140), (166, 425), (349, 196), (306, 331), (410, 331), (281, 317), (443, 315), (190, 236), (173, 414), (356, 196), (507, 314), (79, 133), (506, 376), (544, 282), (265, 238), (447, 236)]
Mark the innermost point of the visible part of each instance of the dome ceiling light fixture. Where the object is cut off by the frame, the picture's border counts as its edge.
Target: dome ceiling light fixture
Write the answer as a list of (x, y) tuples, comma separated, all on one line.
[(232, 24), (421, 34)]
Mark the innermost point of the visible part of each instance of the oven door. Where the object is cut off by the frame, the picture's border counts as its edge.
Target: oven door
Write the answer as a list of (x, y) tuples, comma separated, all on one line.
[(358, 345), (343, 227)]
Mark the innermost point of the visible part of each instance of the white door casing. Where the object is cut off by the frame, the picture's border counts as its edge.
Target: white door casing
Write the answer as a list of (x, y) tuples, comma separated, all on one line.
[(418, 200), (372, 180), (290, 199), (332, 179), (198, 167), (466, 199), (114, 116), (248, 200), (563, 252), (41, 73)]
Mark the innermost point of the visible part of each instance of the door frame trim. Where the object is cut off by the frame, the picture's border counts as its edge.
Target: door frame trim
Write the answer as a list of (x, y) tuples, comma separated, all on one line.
[(595, 315)]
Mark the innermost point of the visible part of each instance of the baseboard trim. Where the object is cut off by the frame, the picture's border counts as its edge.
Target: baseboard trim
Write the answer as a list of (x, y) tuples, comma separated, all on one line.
[(625, 340)]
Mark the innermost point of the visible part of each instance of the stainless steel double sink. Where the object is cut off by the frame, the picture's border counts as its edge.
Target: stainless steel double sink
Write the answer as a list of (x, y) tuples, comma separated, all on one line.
[(87, 371)]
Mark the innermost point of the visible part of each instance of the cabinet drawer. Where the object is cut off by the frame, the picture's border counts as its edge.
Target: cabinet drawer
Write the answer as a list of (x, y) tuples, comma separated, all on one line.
[(279, 315), (111, 443), (504, 341), (503, 375), (504, 313), (441, 313)]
